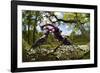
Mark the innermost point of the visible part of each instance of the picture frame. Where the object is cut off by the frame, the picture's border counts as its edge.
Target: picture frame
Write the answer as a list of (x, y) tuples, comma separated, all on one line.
[(19, 7)]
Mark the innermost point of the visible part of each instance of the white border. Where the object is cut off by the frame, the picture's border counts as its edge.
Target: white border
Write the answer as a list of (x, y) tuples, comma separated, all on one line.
[(53, 63)]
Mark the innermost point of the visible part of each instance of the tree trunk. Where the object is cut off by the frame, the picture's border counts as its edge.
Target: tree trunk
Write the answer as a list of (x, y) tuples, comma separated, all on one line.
[(34, 27), (29, 22)]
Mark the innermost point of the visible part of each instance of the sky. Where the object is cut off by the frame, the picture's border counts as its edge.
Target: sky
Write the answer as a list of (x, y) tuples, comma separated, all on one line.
[(66, 30)]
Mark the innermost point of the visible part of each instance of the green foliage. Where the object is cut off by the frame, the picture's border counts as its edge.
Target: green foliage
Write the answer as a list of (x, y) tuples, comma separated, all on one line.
[(25, 48), (79, 39), (86, 55), (69, 16)]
